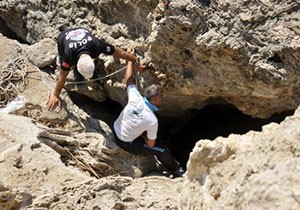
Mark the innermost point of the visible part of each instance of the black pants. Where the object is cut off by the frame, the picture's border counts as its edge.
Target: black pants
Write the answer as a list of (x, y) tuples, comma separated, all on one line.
[(139, 147)]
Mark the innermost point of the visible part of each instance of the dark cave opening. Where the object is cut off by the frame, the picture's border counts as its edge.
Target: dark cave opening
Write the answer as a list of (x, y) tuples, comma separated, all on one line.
[(276, 58), (106, 111), (181, 135), (214, 121), (6, 31), (205, 3)]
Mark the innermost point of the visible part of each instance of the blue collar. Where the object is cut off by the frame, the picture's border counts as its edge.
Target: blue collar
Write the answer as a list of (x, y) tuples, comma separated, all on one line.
[(151, 106)]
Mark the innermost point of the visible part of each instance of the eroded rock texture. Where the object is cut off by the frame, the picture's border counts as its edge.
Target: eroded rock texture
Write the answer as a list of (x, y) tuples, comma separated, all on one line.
[(42, 168), (243, 52), (258, 170)]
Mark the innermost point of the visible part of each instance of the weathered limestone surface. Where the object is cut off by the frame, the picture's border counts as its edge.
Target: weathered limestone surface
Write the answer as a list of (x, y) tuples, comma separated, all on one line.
[(258, 170), (42, 168), (241, 52)]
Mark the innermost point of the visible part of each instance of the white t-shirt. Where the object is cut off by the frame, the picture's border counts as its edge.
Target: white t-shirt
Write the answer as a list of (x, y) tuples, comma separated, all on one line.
[(135, 118)]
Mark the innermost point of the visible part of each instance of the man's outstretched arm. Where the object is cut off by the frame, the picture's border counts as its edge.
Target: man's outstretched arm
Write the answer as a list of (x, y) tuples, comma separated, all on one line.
[(129, 57), (54, 99), (129, 69)]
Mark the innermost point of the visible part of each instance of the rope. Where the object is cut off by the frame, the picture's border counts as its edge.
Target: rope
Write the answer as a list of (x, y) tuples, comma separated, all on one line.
[(99, 78), (12, 79)]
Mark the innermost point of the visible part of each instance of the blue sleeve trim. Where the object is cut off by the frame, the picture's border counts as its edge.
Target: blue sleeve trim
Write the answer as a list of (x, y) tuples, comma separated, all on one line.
[(158, 149)]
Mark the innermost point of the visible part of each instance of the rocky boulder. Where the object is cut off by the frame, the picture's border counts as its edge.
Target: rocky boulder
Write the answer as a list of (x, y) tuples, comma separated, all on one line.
[(258, 170), (44, 168), (204, 52)]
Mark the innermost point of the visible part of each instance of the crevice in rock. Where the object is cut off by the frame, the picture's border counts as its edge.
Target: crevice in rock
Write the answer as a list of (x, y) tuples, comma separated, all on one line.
[(106, 111), (205, 3), (6, 31), (211, 122), (275, 58), (181, 134)]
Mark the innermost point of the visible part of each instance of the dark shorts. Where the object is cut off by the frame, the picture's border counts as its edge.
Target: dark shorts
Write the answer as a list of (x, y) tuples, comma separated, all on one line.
[(139, 147)]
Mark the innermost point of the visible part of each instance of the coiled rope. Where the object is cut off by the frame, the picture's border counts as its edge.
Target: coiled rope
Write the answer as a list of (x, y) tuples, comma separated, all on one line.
[(12, 79)]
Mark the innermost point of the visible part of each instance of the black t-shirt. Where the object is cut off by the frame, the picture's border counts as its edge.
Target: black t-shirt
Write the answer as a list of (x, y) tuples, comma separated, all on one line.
[(74, 42)]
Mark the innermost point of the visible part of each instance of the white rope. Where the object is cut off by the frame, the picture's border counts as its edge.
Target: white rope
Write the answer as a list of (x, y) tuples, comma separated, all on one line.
[(12, 79), (99, 78)]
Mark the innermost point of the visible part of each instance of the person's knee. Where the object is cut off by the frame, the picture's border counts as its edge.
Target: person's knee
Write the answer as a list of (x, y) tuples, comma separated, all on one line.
[(163, 152)]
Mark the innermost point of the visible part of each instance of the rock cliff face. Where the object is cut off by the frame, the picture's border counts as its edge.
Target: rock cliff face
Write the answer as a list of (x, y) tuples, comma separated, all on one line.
[(244, 53)]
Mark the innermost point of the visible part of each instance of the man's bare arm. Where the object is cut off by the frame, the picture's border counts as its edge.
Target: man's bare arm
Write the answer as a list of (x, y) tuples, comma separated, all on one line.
[(54, 99), (129, 78), (129, 57)]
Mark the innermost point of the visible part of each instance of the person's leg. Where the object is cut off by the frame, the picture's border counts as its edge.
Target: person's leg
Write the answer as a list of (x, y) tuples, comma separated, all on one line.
[(162, 153), (77, 76), (131, 147), (139, 147)]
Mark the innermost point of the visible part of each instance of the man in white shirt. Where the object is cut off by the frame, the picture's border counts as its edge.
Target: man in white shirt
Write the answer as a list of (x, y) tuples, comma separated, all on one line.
[(136, 127)]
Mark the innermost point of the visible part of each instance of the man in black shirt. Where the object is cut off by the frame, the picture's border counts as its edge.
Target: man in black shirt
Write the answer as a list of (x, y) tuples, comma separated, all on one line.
[(77, 49)]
